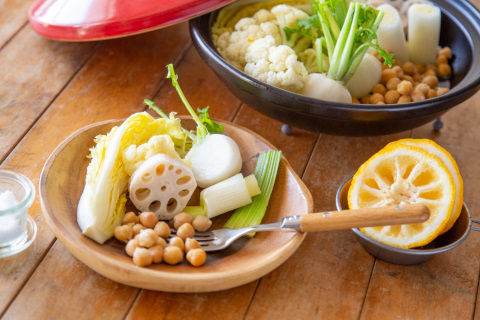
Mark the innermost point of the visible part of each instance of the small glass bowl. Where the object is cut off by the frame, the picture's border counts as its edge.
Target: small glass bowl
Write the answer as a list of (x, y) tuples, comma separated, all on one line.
[(17, 228)]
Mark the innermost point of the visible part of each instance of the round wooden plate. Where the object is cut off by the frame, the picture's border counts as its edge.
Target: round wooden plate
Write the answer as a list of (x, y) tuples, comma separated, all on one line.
[(62, 182)]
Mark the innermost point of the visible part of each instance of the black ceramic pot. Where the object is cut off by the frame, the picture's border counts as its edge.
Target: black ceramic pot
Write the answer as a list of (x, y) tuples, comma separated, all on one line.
[(460, 31)]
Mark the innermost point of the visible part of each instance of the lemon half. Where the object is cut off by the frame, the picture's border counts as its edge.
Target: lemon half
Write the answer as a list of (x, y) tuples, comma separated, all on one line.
[(447, 159), (402, 174)]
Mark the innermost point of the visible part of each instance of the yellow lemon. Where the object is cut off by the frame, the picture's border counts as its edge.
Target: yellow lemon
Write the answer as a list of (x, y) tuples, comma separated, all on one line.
[(447, 159), (401, 174)]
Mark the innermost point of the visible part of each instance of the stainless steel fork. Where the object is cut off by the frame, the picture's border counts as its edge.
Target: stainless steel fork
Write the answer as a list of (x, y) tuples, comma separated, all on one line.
[(332, 220)]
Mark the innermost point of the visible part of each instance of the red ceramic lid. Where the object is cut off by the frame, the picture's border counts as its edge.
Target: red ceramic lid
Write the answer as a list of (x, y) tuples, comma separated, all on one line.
[(82, 20)]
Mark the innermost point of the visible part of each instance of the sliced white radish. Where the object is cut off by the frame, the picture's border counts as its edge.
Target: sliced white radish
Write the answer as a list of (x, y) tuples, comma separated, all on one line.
[(423, 33), (390, 33), (215, 159), (162, 185)]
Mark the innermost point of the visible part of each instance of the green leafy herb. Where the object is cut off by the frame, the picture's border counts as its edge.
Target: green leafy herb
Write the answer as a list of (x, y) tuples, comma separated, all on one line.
[(211, 126)]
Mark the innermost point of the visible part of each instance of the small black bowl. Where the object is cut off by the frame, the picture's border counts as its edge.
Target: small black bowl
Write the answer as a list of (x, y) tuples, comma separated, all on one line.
[(460, 31)]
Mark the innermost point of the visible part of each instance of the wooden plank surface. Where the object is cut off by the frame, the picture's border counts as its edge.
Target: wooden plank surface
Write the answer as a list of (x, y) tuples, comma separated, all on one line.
[(70, 85), (102, 90), (13, 16)]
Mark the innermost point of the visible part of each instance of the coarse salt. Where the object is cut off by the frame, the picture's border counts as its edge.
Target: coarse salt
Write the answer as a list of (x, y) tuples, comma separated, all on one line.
[(7, 200)]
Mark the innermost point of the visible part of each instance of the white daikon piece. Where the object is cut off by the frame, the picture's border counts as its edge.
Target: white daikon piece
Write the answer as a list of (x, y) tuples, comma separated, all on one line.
[(368, 74), (319, 86), (390, 33), (162, 185), (423, 33)]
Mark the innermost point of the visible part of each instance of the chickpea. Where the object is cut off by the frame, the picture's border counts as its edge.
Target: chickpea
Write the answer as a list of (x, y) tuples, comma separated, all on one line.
[(423, 88), (354, 100), (157, 254), (392, 83), (131, 246), (397, 63), (398, 70), (123, 233), (418, 96), (429, 73), (431, 81), (417, 77), (162, 229), (384, 66), (405, 99), (380, 102), (147, 238), (161, 242), (431, 67), (366, 99), (172, 255), (392, 97), (379, 88), (446, 51), (177, 242), (387, 74), (196, 257), (201, 223), (441, 91), (444, 70), (185, 231), (148, 219), (407, 78), (142, 257), (130, 217), (409, 68), (441, 59), (181, 218), (405, 88), (191, 244), (420, 68), (376, 98), (431, 94), (137, 228)]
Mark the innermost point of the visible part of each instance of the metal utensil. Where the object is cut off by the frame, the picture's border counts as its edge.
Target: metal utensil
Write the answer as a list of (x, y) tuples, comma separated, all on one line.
[(323, 221), (445, 242)]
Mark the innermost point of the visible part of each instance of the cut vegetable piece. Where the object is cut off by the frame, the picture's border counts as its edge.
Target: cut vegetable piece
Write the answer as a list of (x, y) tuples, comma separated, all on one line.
[(215, 159), (390, 33), (167, 189), (228, 195), (368, 74), (266, 173), (423, 33)]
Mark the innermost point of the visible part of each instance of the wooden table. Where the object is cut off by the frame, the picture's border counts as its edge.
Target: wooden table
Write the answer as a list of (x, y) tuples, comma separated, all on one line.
[(50, 89)]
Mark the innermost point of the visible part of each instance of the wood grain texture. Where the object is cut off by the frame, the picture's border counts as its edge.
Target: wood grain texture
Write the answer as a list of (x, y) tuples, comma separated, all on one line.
[(447, 284), (111, 85), (13, 16), (329, 270), (29, 88)]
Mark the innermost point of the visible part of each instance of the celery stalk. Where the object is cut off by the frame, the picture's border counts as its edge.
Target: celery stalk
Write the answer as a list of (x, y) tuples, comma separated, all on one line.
[(266, 173)]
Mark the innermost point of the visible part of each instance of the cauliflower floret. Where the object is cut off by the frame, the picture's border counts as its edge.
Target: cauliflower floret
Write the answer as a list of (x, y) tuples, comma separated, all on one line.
[(309, 59), (275, 65), (287, 16), (233, 46), (133, 156)]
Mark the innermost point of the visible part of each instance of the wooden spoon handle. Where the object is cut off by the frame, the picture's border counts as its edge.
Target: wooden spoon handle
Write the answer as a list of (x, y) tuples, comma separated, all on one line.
[(367, 217)]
